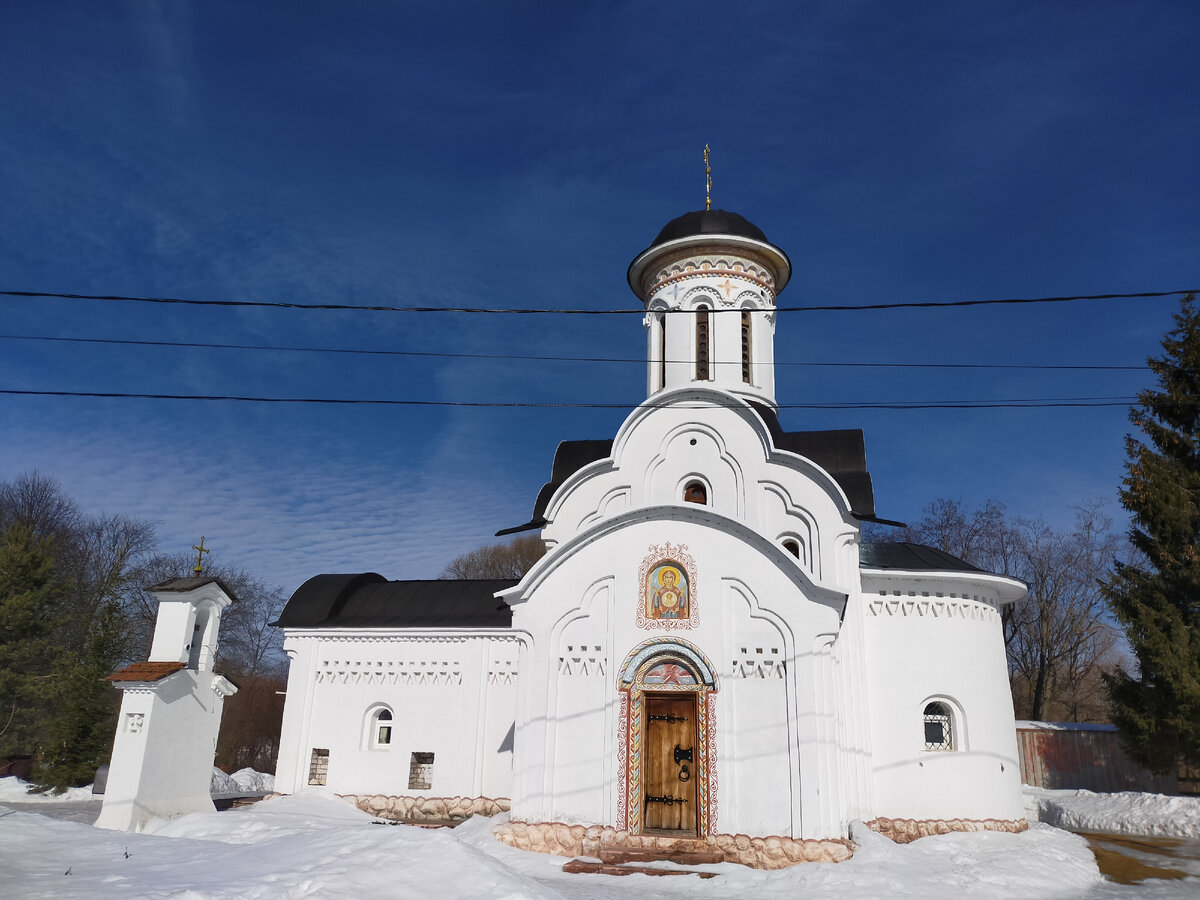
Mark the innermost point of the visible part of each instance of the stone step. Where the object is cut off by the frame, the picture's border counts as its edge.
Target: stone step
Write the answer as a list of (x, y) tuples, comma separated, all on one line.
[(592, 867), (684, 856)]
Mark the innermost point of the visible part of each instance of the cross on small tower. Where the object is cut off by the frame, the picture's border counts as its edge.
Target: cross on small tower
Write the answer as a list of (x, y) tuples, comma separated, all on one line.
[(200, 551), (707, 181)]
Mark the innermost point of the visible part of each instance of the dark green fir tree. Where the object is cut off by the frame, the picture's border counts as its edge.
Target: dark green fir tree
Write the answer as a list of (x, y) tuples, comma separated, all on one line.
[(80, 732), (1156, 595), (30, 612)]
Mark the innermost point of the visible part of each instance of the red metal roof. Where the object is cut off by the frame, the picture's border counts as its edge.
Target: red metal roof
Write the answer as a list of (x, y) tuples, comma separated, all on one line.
[(146, 671)]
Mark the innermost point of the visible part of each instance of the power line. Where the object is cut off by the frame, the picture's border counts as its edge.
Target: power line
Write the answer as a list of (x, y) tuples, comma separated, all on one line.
[(509, 356), (276, 304), (1040, 403)]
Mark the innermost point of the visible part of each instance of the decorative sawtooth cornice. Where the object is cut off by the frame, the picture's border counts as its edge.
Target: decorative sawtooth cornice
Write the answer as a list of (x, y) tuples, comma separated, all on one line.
[(583, 660), (933, 608), (502, 671), (402, 672), (760, 665)]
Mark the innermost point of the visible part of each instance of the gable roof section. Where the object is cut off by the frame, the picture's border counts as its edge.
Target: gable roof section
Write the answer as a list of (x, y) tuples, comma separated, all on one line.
[(911, 557), (841, 453), (183, 585), (369, 600), (569, 458), (146, 671)]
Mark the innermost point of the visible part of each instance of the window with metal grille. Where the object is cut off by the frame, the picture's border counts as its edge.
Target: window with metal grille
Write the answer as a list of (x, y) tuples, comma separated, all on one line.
[(702, 343), (939, 727), (420, 772), (746, 346), (318, 766)]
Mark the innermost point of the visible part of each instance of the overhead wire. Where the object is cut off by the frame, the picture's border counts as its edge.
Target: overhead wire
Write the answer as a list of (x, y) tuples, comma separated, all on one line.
[(540, 358), (278, 304), (1039, 403)]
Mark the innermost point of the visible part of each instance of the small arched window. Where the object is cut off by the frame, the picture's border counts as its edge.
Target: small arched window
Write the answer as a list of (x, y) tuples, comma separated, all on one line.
[(939, 727), (702, 343), (381, 728), (695, 492), (792, 546)]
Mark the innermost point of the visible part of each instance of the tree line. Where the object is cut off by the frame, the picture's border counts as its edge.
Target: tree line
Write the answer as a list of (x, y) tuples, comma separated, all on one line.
[(74, 608)]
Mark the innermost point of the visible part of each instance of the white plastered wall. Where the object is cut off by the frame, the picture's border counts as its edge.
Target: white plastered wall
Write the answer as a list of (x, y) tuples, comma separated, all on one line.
[(450, 694), (163, 753), (938, 637), (758, 620)]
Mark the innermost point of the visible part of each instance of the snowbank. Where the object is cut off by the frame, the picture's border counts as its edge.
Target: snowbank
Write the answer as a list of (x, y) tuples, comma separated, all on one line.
[(243, 781), (14, 790), (316, 845), (249, 780), (222, 783), (1126, 812)]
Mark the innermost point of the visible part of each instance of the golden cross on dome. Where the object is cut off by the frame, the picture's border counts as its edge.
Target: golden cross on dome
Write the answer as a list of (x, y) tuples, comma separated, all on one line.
[(200, 551), (707, 181)]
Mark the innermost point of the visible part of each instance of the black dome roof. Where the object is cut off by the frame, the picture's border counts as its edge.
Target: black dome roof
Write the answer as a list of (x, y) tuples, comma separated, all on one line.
[(709, 221)]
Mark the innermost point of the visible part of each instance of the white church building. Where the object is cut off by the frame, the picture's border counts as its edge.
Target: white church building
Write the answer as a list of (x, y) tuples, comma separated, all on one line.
[(707, 652)]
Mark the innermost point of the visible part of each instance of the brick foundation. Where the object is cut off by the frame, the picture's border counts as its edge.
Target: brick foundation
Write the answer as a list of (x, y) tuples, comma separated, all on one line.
[(902, 831), (427, 809), (588, 840)]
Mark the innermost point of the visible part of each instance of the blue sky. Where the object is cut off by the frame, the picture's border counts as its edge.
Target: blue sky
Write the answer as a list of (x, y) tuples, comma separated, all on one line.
[(520, 155)]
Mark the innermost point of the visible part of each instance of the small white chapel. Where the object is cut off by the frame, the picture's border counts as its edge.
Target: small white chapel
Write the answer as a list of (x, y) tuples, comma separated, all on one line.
[(707, 652)]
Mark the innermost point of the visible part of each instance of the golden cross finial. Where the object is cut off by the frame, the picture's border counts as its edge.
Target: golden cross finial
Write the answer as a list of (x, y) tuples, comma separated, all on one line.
[(707, 181), (200, 551)]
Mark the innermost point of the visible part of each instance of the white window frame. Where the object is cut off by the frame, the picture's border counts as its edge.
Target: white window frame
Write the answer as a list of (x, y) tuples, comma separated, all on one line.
[(380, 717)]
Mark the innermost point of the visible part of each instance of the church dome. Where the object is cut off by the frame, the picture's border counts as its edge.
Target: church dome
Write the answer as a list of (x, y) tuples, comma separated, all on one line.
[(709, 221), (706, 228)]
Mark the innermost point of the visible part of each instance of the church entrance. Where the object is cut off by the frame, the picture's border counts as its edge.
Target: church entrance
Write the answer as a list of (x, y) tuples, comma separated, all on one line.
[(671, 760), (666, 747)]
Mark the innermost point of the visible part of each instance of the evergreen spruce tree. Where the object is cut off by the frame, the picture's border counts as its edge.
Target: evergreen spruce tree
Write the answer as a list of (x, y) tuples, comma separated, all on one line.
[(1157, 598), (80, 732), (30, 613)]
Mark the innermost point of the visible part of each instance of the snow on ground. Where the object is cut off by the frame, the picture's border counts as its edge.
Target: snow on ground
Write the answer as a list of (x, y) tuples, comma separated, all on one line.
[(1126, 812), (14, 790), (315, 845)]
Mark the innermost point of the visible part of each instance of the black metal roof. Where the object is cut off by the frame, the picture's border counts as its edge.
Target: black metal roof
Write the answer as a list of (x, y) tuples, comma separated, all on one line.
[(842, 453), (369, 600), (911, 557), (709, 221), (569, 458)]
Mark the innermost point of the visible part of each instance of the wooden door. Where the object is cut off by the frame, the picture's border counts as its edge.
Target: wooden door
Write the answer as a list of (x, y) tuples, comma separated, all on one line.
[(670, 761)]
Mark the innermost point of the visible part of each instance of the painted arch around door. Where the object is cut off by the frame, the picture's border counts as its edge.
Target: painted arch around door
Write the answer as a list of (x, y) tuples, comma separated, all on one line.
[(667, 688)]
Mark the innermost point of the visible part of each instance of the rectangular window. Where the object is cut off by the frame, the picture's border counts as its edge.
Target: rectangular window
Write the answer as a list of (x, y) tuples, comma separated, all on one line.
[(746, 346), (420, 772), (318, 767), (662, 347)]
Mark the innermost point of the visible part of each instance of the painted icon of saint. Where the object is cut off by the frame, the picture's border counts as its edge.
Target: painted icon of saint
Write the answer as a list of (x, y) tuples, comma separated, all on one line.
[(667, 593)]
